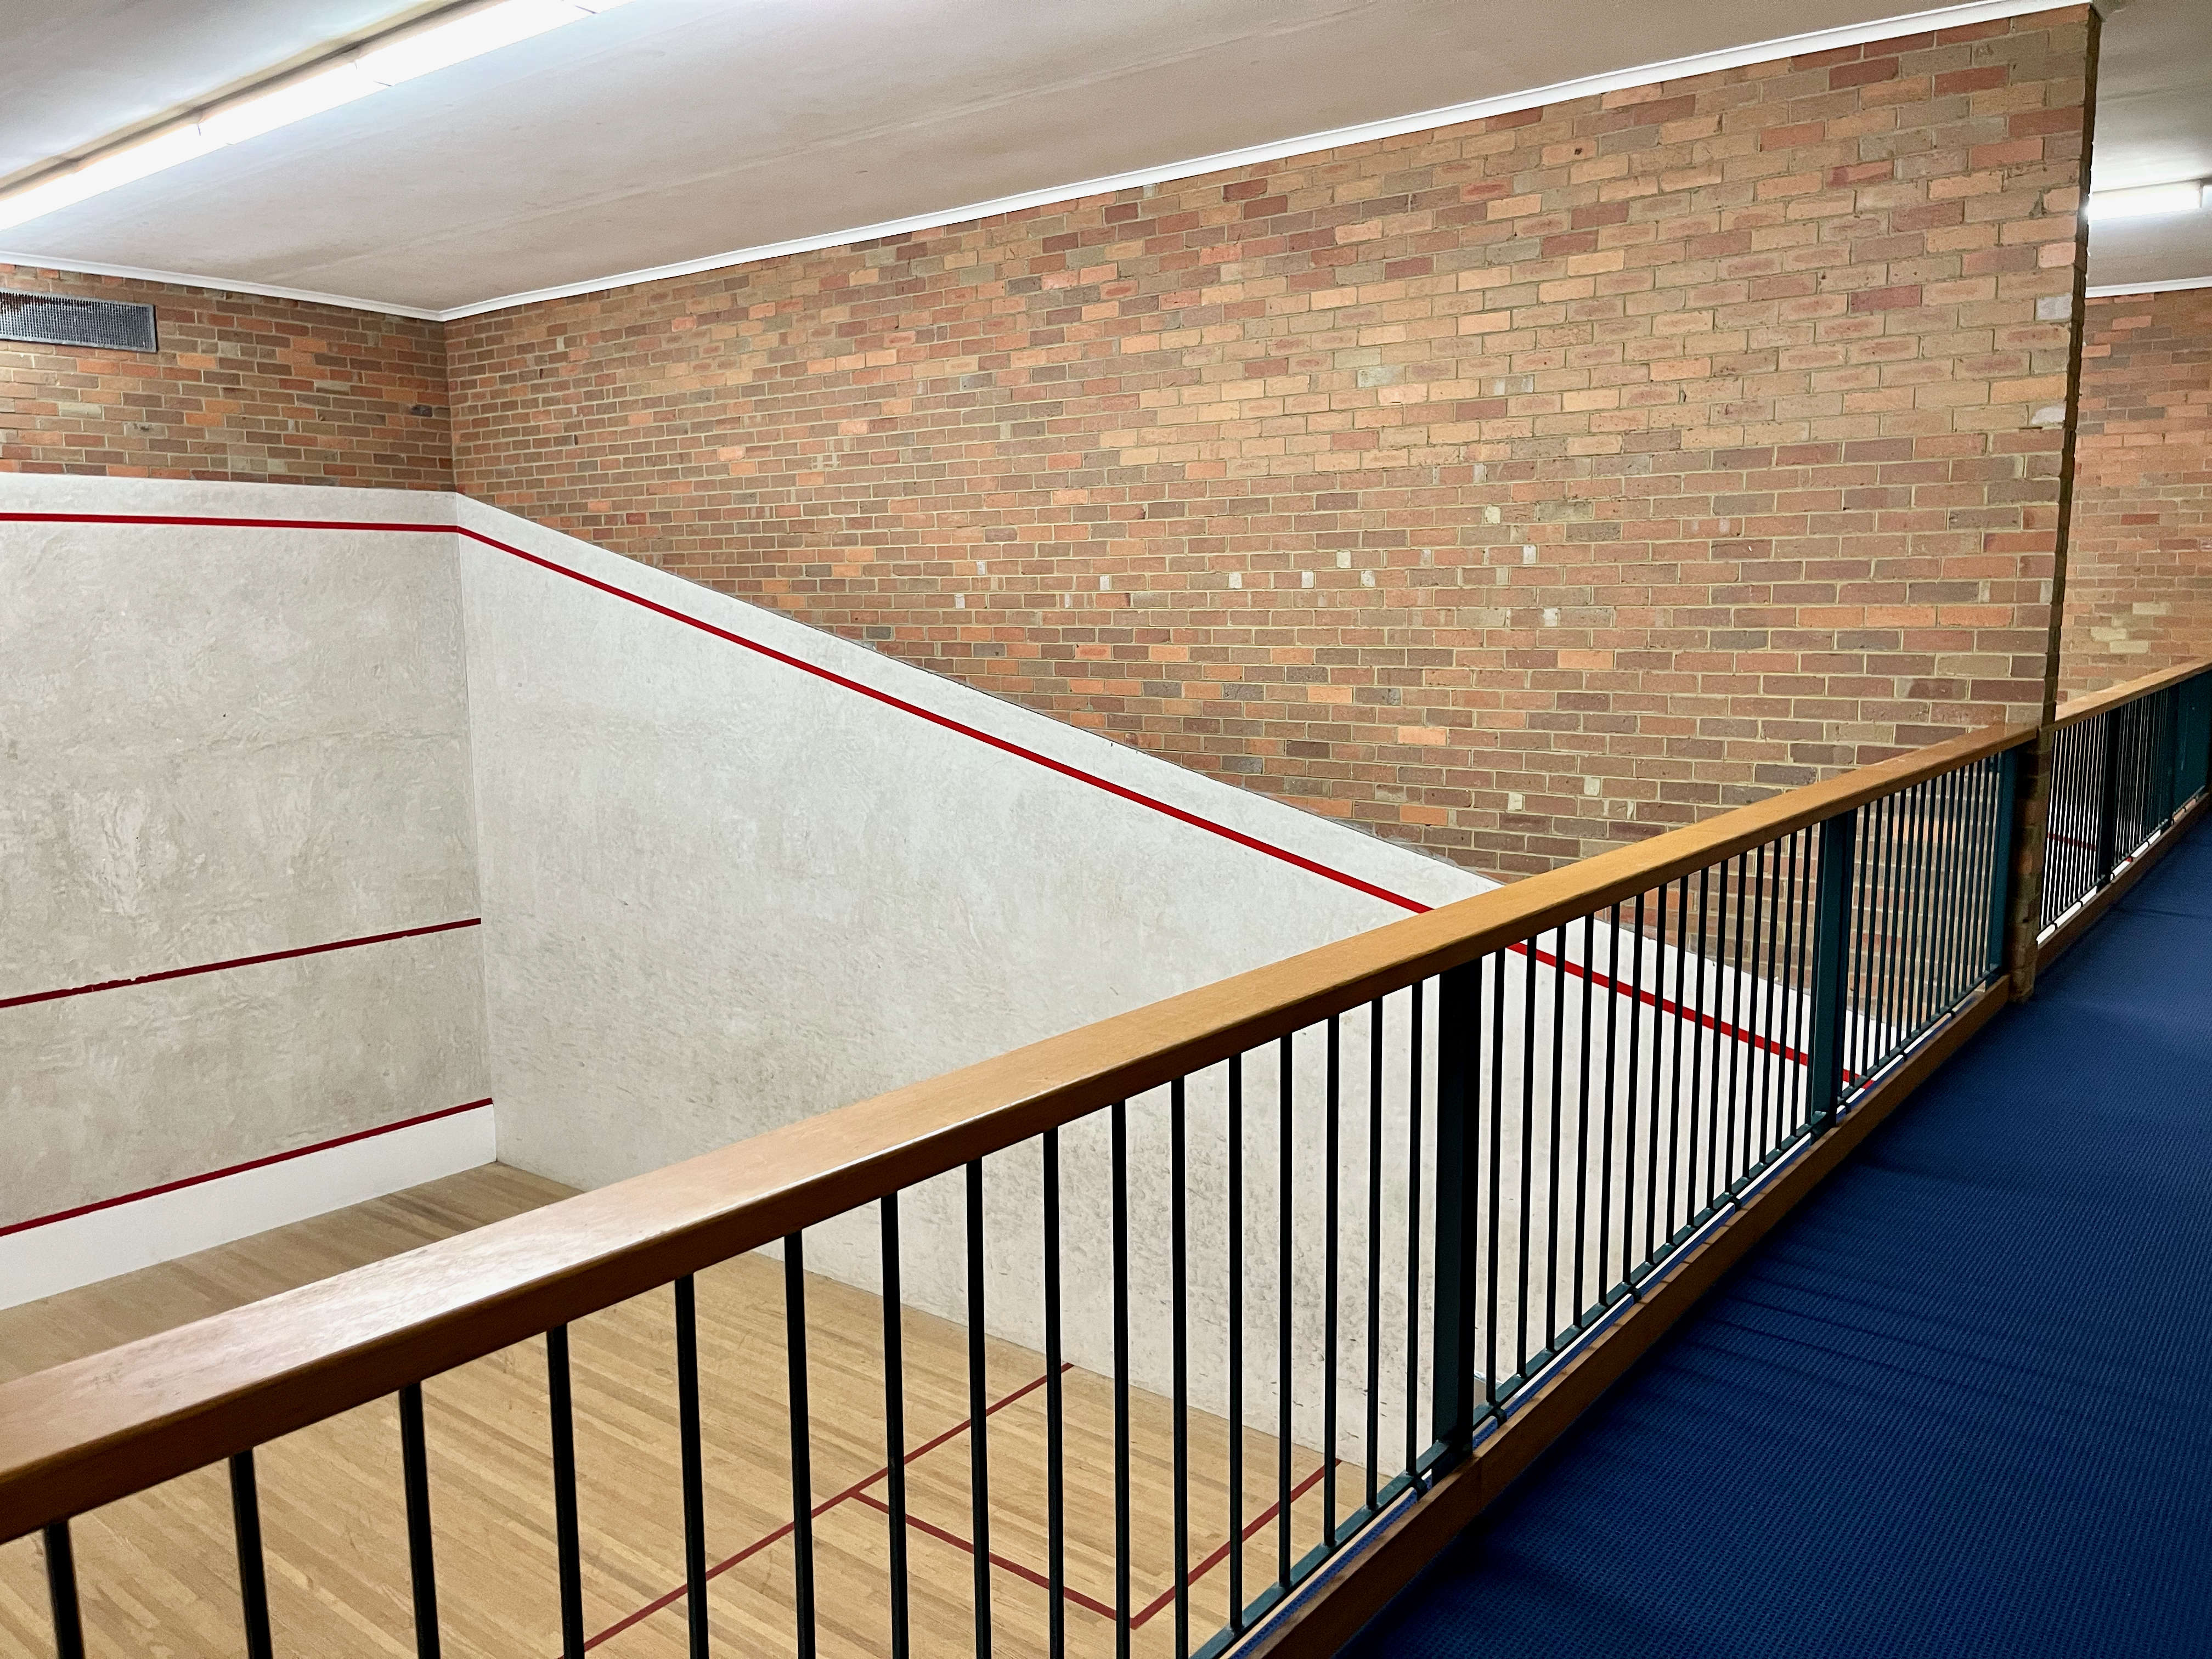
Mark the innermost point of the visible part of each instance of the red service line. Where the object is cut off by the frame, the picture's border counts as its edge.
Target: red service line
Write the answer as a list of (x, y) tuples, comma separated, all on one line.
[(237, 962), (240, 1168)]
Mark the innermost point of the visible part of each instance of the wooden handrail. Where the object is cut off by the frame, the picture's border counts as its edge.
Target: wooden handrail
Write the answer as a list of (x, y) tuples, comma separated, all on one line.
[(2096, 702), (98, 1429)]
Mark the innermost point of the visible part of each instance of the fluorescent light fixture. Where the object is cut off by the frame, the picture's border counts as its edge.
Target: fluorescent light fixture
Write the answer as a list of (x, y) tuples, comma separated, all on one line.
[(2148, 202), (409, 53)]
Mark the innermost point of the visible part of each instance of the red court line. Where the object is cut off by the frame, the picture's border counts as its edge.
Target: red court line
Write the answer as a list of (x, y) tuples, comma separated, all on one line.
[(886, 698), (240, 1168), (1239, 837), (237, 962), (1723, 1028), (1068, 1592), (1167, 1596), (822, 1508)]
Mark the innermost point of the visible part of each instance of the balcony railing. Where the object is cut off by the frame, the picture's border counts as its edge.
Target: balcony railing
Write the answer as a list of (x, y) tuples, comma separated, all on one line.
[(1397, 1207)]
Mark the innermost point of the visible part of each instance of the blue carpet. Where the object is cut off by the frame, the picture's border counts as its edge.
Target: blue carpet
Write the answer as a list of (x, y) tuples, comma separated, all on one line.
[(1960, 1403)]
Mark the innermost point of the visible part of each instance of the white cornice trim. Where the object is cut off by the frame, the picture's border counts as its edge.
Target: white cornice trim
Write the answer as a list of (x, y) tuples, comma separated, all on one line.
[(2171, 285), (219, 284), (1590, 86)]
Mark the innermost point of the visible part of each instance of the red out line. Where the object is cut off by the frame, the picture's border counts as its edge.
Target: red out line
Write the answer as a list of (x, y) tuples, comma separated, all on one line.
[(1067, 1591), (856, 1490), (237, 962), (240, 1168), (1298, 861)]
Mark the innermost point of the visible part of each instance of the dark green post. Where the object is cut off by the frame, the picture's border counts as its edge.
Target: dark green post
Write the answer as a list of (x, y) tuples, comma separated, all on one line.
[(2001, 861), (1452, 1390), (1831, 966)]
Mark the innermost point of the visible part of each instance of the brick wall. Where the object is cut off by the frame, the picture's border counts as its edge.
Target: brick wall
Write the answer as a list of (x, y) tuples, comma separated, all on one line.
[(2139, 571), (1509, 488), (243, 387)]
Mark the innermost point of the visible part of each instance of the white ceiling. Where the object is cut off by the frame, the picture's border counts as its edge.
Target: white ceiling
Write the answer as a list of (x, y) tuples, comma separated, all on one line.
[(676, 130)]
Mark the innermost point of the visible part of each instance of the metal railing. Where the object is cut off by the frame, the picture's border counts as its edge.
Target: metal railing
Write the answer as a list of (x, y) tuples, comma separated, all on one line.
[(2124, 764), (1502, 1124)]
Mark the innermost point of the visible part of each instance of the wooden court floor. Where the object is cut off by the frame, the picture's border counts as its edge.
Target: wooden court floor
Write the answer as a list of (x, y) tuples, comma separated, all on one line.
[(158, 1574)]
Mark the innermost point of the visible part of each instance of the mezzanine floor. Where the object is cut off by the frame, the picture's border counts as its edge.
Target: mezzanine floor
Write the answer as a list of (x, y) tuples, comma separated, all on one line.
[(1959, 1403)]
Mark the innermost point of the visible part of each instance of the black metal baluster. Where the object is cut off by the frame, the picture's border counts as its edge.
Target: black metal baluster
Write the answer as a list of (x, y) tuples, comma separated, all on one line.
[(1801, 879), (1179, 1248), (1055, 1403), (1897, 852), (1374, 1244), (1551, 1138), (695, 1463), (1490, 1392), (1916, 908), (1332, 1153), (1521, 1262), (252, 1574), (979, 1406), (1683, 1015), (1635, 1090), (1710, 1010), (1237, 1342), (422, 1562), (61, 1590), (1284, 1163), (1696, 1022), (567, 1546), (1659, 1025), (1414, 1238), (1582, 1119), (1734, 964), (1958, 802), (802, 1443), (1611, 1080), (1120, 1204), (1773, 895), (895, 1422)]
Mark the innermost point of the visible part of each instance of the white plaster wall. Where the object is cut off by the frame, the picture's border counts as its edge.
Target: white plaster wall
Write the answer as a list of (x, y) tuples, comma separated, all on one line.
[(721, 895), (218, 743)]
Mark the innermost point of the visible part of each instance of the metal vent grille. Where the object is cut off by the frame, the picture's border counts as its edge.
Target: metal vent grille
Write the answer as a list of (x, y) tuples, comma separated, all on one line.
[(102, 325)]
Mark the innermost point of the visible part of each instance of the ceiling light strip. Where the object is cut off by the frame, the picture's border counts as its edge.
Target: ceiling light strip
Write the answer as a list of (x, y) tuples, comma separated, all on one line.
[(403, 55)]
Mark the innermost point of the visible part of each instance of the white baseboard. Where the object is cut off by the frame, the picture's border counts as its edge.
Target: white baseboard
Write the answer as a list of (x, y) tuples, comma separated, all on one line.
[(82, 1249)]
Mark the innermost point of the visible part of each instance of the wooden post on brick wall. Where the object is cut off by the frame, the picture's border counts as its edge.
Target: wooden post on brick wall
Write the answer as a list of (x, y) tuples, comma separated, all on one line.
[(2032, 791)]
